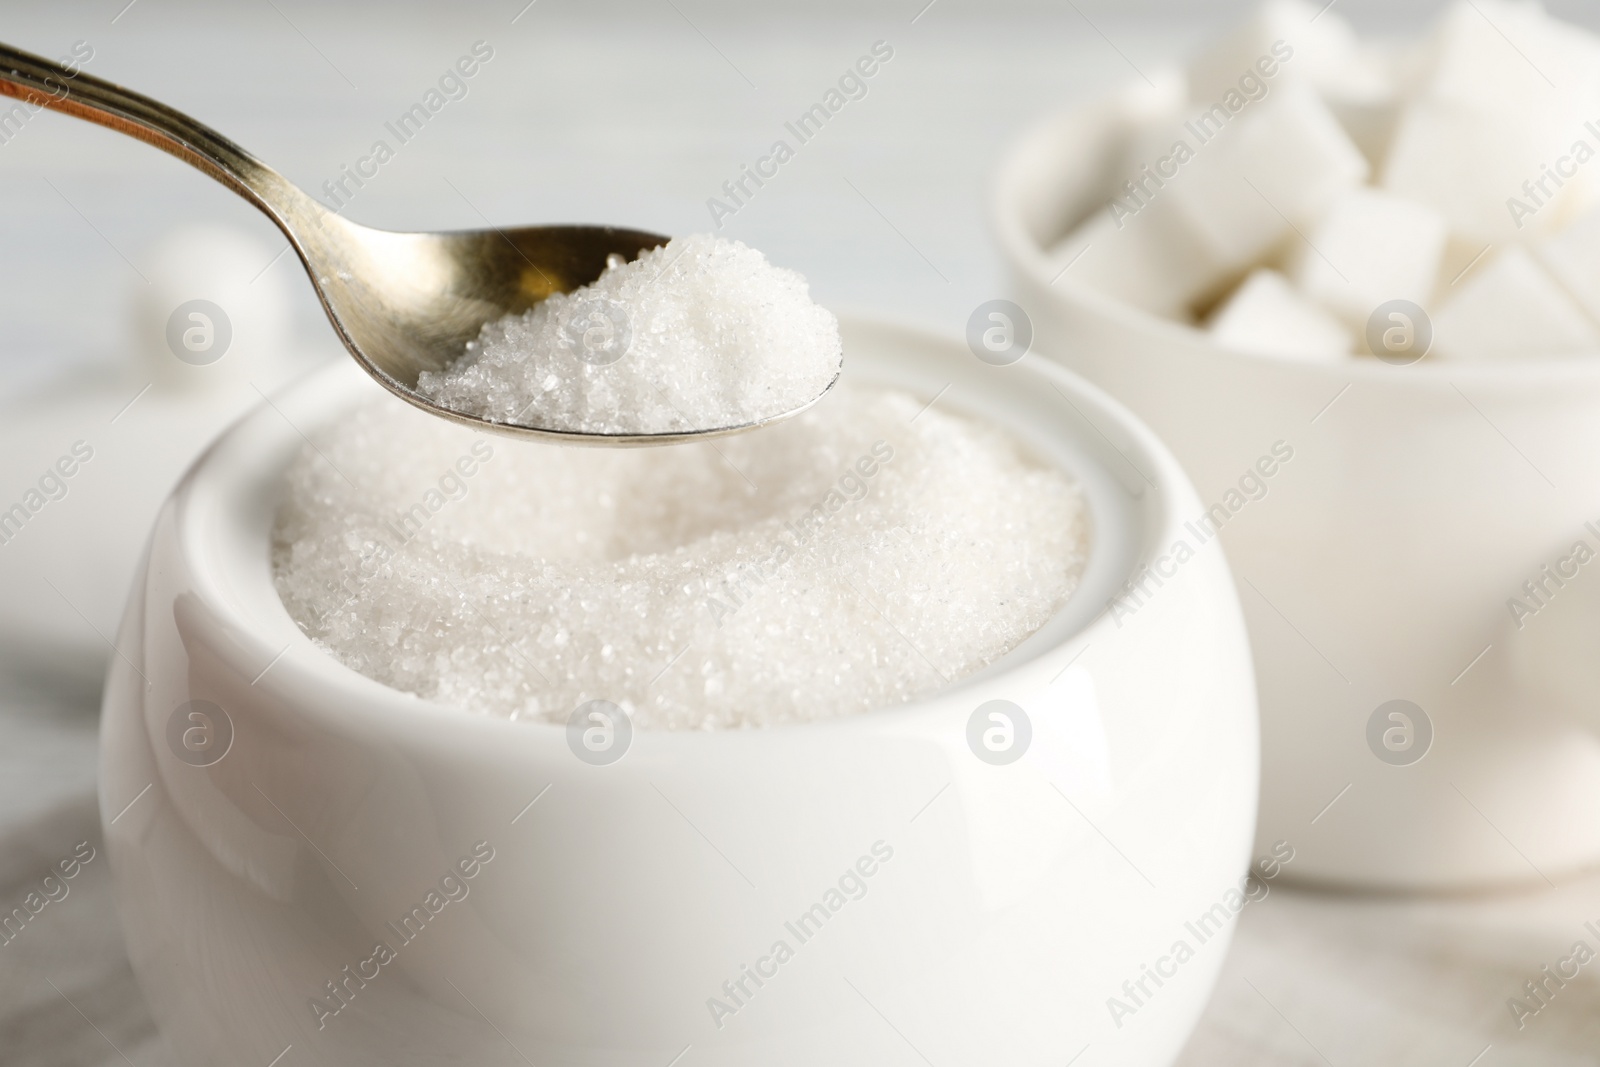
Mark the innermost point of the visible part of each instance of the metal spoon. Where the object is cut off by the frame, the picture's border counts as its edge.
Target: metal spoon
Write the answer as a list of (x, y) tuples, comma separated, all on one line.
[(402, 303)]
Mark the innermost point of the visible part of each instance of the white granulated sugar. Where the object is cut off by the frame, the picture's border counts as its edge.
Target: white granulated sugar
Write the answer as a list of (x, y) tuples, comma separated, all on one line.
[(845, 560), (701, 333)]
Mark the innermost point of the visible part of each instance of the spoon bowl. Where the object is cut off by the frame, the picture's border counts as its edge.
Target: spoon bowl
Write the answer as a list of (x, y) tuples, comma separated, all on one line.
[(402, 303)]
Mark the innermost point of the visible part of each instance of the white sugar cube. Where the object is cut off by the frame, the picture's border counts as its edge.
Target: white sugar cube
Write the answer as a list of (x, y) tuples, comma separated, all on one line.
[(1149, 115), (1370, 120), (1298, 43), (1267, 315), (1498, 136), (1367, 94), (1371, 247), (1482, 169), (1393, 73), (1146, 144), (1256, 174), (1511, 56), (1151, 259), (1573, 258), (1512, 309), (1462, 259)]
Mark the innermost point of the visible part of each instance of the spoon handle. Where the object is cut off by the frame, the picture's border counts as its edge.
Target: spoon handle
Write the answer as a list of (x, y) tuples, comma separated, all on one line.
[(38, 82)]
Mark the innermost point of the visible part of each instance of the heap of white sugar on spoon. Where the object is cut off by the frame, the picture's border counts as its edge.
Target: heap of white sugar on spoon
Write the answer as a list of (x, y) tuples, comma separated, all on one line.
[(700, 333)]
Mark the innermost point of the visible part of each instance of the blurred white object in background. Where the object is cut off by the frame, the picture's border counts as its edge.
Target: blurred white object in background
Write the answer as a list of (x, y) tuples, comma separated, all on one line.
[(187, 346), (1418, 728), (1325, 52), (1573, 259), (86, 460), (1190, 222)]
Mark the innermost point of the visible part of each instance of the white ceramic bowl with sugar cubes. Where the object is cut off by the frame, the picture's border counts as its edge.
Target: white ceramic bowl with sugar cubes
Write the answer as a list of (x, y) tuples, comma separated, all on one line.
[(1225, 250)]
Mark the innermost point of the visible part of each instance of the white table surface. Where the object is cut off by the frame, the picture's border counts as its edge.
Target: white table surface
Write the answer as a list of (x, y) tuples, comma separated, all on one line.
[(635, 114)]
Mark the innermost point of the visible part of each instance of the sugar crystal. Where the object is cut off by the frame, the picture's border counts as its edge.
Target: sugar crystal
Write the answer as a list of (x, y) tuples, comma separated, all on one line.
[(857, 556)]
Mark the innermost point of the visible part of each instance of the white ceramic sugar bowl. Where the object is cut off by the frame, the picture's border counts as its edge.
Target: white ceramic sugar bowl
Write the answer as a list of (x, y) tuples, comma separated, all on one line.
[(306, 858)]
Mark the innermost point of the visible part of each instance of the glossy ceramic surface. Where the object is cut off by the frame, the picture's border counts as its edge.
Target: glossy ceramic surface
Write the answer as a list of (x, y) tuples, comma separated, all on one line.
[(971, 912)]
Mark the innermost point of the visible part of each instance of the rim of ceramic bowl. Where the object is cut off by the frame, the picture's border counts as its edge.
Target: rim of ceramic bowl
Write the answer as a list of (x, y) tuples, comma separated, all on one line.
[(235, 486), (1122, 108)]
